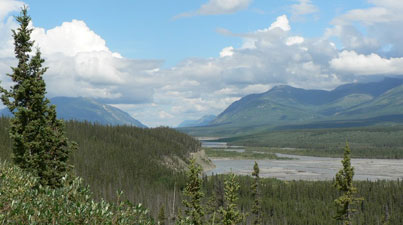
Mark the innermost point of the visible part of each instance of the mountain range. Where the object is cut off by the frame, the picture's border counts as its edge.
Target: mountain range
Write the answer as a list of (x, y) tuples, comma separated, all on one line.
[(286, 106), (87, 109)]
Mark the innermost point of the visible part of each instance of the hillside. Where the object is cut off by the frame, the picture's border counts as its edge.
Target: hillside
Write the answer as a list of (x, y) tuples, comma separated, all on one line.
[(282, 106), (203, 121), (144, 163), (86, 109)]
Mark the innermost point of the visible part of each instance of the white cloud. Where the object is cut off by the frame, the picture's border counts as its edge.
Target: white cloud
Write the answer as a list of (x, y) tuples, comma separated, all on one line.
[(218, 7), (214, 7), (353, 39), (372, 64), (278, 30), (6, 42), (381, 23), (227, 51), (303, 7), (79, 60), (367, 16), (294, 40), (76, 37), (6, 24), (7, 6), (282, 23)]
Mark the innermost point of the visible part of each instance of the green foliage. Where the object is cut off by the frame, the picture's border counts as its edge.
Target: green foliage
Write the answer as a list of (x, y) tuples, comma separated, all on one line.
[(144, 163), (368, 142), (247, 154), (194, 211), (229, 214), (22, 203), (256, 208), (39, 143), (161, 216), (312, 202), (344, 183)]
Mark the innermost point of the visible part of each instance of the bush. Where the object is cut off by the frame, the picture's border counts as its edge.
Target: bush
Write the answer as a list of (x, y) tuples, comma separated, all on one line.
[(24, 201)]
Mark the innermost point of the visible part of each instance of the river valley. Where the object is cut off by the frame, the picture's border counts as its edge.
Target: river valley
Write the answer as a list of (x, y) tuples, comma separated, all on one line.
[(308, 167)]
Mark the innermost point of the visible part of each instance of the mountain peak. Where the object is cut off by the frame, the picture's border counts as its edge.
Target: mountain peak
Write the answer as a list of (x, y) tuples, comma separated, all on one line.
[(88, 109)]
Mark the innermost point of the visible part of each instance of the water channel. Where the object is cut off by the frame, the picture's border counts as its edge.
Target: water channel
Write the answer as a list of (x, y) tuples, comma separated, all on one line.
[(307, 167)]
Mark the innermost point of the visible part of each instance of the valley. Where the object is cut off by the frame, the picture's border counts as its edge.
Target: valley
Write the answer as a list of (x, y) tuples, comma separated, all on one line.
[(295, 167), (201, 113)]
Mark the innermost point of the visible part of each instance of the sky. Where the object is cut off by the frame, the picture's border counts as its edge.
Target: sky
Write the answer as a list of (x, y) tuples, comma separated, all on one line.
[(168, 61)]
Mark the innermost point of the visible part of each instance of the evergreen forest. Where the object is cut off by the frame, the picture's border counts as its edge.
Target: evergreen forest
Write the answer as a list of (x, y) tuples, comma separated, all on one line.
[(130, 159)]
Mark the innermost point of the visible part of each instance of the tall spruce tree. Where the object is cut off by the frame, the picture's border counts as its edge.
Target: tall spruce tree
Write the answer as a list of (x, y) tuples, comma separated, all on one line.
[(256, 208), (344, 183), (194, 211), (39, 142)]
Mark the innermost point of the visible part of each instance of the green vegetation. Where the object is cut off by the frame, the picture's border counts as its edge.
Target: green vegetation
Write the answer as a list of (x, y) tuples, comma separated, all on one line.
[(23, 200), (256, 208), (347, 202), (312, 202), (369, 142), (248, 153), (194, 211), (146, 164), (132, 156), (39, 142), (230, 214)]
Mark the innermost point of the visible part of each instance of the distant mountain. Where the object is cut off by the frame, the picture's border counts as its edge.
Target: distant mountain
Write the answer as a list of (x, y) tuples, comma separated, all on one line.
[(86, 109), (285, 105), (205, 120)]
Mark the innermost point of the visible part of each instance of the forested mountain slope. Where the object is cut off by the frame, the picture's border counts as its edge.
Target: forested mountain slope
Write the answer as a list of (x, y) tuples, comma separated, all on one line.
[(144, 163)]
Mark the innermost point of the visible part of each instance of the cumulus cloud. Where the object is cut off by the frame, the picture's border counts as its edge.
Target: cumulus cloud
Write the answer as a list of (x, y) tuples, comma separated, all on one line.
[(76, 37), (218, 7), (372, 64), (228, 51), (294, 40), (381, 22), (85, 64), (6, 24), (281, 22), (7, 6), (268, 57)]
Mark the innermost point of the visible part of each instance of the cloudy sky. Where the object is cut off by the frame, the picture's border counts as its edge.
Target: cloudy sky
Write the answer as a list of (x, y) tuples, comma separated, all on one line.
[(167, 61)]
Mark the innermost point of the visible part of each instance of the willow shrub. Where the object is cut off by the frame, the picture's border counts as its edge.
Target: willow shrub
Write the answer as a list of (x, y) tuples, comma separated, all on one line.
[(24, 201)]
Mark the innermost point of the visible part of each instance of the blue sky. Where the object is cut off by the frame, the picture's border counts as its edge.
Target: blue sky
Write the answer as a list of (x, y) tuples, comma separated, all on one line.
[(147, 29), (168, 61)]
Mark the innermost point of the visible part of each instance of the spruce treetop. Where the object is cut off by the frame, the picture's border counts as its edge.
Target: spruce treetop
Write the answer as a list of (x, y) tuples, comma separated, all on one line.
[(344, 183)]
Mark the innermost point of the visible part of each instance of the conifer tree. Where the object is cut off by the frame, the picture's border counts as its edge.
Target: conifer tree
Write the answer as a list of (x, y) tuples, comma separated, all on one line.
[(194, 211), (344, 183), (230, 214), (161, 216), (39, 142), (256, 209)]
